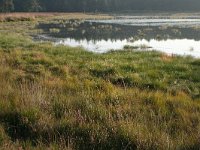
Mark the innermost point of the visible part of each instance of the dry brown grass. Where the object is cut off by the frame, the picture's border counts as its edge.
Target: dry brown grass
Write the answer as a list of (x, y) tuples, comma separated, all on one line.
[(22, 16), (32, 16), (166, 57)]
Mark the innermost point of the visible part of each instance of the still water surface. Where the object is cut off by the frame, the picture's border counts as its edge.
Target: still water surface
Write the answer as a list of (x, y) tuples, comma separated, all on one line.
[(161, 33)]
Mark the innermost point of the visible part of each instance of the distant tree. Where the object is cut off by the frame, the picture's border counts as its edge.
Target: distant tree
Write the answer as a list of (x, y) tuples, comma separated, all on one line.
[(7, 6), (99, 5), (34, 6)]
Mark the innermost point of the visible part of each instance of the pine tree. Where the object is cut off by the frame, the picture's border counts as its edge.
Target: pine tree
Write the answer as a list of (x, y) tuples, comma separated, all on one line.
[(7, 6), (35, 5)]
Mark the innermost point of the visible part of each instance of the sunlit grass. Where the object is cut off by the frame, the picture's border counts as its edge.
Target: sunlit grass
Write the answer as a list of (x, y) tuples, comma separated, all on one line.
[(60, 97)]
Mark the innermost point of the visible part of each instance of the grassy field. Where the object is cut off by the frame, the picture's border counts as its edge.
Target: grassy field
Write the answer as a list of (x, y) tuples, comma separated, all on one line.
[(57, 97)]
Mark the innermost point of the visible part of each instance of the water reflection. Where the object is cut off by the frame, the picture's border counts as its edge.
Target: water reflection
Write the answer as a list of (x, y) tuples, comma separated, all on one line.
[(176, 46), (100, 46), (146, 21), (177, 36)]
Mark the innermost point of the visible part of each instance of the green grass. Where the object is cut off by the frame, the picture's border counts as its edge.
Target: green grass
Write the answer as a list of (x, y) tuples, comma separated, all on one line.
[(60, 97)]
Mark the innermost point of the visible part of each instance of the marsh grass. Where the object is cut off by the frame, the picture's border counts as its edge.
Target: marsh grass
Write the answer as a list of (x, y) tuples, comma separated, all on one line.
[(60, 97), (13, 17)]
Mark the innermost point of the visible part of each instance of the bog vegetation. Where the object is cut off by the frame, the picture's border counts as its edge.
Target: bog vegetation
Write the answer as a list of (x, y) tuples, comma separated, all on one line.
[(59, 97)]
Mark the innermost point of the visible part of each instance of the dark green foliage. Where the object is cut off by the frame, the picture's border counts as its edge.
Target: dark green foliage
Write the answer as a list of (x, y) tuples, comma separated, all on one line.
[(99, 5), (6, 5)]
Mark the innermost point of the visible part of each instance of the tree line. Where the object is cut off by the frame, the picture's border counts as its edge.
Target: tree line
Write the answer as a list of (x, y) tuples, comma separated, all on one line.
[(97, 5)]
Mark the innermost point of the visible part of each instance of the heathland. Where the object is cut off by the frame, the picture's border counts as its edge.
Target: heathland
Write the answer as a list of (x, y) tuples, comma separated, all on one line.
[(60, 97)]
